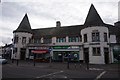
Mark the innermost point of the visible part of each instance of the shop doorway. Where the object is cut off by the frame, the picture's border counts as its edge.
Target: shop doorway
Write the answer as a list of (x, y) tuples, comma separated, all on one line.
[(22, 53), (62, 56), (106, 55), (86, 55)]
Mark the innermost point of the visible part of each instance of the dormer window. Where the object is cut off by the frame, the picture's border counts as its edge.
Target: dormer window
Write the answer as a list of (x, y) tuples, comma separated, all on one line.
[(61, 39), (74, 39)]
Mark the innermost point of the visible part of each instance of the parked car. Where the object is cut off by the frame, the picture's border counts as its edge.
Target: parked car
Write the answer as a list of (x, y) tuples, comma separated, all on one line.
[(3, 61)]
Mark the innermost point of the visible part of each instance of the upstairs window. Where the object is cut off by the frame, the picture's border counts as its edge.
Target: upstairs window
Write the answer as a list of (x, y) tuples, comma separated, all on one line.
[(61, 39), (16, 38), (95, 37), (37, 40), (96, 51), (47, 40), (74, 39), (85, 37), (105, 37), (23, 40)]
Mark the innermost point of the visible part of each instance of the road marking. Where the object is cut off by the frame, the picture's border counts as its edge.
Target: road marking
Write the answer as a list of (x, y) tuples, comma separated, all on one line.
[(50, 74), (101, 74), (95, 69)]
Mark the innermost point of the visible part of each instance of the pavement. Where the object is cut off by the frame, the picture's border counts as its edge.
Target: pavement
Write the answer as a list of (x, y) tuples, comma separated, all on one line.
[(59, 70)]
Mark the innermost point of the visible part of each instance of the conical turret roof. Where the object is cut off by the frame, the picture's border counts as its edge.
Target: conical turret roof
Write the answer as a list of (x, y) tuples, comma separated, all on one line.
[(93, 18), (24, 25)]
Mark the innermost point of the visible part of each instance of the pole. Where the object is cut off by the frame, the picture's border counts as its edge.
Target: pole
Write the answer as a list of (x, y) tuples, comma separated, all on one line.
[(68, 64), (34, 59), (68, 61), (12, 60), (17, 62), (87, 65)]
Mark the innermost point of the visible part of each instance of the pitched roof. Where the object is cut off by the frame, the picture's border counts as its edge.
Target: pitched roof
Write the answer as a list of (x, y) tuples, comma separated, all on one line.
[(59, 32), (24, 25), (93, 18)]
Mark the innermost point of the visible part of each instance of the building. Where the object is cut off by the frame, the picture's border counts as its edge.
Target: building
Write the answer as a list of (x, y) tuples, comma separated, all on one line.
[(88, 42), (6, 51)]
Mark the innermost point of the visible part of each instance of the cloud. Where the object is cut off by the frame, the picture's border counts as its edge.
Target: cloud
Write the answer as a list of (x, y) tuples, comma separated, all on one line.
[(45, 13)]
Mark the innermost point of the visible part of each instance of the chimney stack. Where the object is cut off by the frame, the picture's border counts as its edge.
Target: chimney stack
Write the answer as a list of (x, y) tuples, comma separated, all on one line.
[(117, 24), (58, 24)]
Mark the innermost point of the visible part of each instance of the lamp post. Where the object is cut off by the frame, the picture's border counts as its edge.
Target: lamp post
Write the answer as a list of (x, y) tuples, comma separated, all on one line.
[(50, 56)]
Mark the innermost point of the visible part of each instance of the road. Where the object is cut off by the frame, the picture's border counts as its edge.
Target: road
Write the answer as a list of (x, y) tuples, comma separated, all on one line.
[(54, 71)]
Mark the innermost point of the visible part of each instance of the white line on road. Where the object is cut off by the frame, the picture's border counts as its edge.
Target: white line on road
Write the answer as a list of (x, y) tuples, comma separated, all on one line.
[(50, 74), (101, 74)]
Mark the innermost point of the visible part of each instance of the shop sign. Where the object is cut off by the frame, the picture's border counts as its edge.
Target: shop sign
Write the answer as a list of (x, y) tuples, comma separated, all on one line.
[(38, 47), (61, 47), (65, 47)]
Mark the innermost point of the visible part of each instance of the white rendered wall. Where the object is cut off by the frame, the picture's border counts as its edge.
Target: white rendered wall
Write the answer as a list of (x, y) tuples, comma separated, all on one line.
[(90, 44), (19, 45), (112, 38)]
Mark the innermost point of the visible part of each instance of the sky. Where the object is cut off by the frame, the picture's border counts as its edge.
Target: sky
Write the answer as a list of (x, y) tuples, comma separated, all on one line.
[(45, 13)]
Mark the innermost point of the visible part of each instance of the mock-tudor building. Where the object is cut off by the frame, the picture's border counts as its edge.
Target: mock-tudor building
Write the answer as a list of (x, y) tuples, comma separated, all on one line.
[(93, 41)]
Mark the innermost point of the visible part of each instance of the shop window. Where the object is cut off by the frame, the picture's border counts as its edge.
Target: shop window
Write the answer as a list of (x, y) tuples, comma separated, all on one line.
[(96, 51), (105, 37), (95, 37), (85, 37)]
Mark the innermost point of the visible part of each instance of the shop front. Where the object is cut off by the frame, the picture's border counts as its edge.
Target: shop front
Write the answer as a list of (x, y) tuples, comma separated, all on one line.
[(39, 53), (62, 53)]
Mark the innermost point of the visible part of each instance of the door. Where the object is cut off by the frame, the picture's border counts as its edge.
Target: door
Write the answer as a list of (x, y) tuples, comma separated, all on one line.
[(23, 52), (86, 55), (106, 55)]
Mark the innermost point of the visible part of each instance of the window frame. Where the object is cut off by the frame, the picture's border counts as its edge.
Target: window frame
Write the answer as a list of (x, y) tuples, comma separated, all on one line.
[(95, 36), (105, 37), (85, 38), (96, 51)]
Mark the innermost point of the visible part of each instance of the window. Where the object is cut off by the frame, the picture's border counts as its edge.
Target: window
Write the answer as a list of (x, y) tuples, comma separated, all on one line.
[(16, 39), (61, 39), (37, 40), (85, 37), (96, 51), (74, 39), (23, 40), (95, 37), (105, 37), (47, 40), (14, 50), (80, 38)]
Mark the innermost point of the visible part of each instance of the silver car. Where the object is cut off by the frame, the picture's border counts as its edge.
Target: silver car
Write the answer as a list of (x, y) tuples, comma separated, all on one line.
[(2, 61)]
